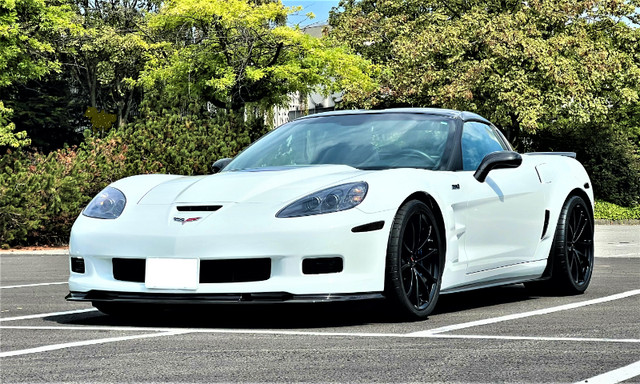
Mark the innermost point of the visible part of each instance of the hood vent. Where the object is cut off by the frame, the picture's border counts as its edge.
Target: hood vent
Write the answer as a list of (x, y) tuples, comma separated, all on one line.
[(198, 208)]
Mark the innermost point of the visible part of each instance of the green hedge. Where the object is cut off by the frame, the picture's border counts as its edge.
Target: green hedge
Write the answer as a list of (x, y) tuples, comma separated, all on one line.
[(41, 195), (610, 211)]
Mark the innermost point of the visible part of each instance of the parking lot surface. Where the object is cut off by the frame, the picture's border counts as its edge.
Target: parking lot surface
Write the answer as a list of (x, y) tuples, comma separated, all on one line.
[(504, 334)]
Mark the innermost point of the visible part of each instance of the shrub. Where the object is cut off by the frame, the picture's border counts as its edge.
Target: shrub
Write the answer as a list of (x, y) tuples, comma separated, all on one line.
[(610, 211), (41, 195)]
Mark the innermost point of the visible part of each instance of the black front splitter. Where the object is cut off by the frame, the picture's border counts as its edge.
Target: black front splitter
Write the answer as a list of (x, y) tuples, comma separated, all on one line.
[(226, 298)]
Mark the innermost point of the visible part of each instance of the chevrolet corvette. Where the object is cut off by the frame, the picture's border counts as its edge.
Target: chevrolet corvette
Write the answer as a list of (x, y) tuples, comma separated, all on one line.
[(397, 204)]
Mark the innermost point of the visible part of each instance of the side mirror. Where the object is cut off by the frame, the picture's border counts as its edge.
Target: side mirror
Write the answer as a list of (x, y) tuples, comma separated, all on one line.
[(220, 164), (497, 160)]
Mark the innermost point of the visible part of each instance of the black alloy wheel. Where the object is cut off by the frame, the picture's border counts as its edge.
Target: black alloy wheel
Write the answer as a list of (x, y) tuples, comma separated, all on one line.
[(415, 261), (573, 247)]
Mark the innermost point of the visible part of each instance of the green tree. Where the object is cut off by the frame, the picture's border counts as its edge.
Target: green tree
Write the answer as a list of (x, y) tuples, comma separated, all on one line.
[(111, 50), (234, 53), (9, 138), (563, 67), (526, 65), (29, 30)]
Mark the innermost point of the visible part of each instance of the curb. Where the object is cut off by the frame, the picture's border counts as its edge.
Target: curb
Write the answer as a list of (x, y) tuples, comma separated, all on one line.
[(25, 252), (617, 222)]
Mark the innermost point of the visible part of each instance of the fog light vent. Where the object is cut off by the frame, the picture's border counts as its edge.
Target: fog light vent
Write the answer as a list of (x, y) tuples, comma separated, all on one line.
[(317, 266), (77, 264)]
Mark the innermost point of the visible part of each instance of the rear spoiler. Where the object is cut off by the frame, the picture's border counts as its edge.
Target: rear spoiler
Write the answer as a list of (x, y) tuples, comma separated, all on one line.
[(567, 154)]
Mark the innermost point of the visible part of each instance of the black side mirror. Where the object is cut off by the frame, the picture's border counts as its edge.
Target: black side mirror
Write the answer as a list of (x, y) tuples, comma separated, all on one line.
[(497, 160), (220, 164)]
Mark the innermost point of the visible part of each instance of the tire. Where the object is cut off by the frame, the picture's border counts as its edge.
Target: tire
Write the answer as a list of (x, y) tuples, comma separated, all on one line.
[(415, 261), (572, 251)]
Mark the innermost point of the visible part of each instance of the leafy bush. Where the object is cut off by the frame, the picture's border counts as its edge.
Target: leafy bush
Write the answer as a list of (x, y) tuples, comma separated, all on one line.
[(41, 195), (610, 211)]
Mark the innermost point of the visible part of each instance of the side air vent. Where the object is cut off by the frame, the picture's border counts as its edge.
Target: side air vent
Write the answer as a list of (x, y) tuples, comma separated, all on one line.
[(546, 223), (199, 208)]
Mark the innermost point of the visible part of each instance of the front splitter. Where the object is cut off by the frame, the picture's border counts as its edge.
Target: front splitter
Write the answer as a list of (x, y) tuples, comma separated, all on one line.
[(226, 298)]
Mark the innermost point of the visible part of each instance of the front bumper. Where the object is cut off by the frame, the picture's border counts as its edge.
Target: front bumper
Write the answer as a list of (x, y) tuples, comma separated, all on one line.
[(228, 234)]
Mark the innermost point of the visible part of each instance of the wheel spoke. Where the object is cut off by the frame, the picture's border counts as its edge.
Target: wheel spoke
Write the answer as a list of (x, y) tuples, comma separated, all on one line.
[(422, 281), (426, 239), (419, 232), (424, 257), (417, 303), (426, 273), (410, 280), (582, 224), (575, 267), (571, 260), (582, 258)]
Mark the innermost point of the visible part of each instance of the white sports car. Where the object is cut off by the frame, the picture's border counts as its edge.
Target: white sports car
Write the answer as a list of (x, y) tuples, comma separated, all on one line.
[(404, 204)]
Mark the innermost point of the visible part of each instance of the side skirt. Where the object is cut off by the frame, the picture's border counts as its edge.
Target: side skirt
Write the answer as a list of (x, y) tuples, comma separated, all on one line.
[(490, 283)]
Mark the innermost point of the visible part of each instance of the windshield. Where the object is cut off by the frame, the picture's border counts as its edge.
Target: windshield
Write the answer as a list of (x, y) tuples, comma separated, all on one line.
[(365, 141)]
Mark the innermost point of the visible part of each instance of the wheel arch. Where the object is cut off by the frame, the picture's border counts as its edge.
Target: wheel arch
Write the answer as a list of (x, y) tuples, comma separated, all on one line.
[(437, 212), (581, 193)]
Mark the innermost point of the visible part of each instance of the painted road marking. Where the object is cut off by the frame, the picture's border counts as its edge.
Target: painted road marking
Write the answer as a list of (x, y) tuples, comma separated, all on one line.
[(309, 333), (33, 285), (544, 311), (616, 376), (54, 347), (41, 315)]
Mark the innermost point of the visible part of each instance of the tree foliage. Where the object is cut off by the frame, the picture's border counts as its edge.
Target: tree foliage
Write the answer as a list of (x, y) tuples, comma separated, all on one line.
[(565, 68), (526, 65), (233, 52), (28, 32), (9, 138), (111, 50)]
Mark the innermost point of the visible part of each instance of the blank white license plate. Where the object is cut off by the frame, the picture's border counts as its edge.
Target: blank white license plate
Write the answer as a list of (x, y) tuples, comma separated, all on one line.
[(172, 273)]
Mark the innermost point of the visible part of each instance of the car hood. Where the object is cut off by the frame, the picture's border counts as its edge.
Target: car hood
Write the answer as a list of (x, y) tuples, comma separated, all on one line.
[(272, 185)]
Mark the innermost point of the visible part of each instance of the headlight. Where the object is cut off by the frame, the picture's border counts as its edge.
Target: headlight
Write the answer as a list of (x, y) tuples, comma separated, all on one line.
[(334, 199), (108, 204)]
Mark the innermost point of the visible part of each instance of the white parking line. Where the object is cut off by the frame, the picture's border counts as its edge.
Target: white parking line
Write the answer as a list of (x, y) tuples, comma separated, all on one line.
[(32, 285), (324, 334), (54, 347), (41, 315), (616, 376), (544, 311)]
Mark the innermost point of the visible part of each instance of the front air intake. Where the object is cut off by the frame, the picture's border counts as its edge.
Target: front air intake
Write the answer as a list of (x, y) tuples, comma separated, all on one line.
[(198, 208), (132, 270), (235, 270), (322, 265)]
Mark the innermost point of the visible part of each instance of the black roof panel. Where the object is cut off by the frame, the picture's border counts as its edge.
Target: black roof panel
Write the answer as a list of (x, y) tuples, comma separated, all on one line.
[(463, 115)]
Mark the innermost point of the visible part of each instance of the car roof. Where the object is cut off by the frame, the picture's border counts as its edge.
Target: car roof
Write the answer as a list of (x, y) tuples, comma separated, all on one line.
[(452, 113)]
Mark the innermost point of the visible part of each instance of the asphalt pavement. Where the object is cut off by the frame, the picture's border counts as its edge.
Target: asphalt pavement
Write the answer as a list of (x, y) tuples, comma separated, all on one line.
[(504, 334)]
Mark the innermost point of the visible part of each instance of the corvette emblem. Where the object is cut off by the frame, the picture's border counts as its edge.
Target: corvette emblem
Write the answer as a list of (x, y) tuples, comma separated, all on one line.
[(185, 220)]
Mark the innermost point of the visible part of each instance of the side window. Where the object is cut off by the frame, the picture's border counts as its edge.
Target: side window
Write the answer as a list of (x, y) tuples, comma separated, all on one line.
[(478, 140)]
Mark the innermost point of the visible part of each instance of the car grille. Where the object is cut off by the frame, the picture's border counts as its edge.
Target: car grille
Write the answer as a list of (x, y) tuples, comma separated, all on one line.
[(235, 271), (211, 271)]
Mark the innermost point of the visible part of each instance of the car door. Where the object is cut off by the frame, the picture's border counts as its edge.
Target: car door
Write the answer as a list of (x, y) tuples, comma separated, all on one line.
[(504, 214)]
